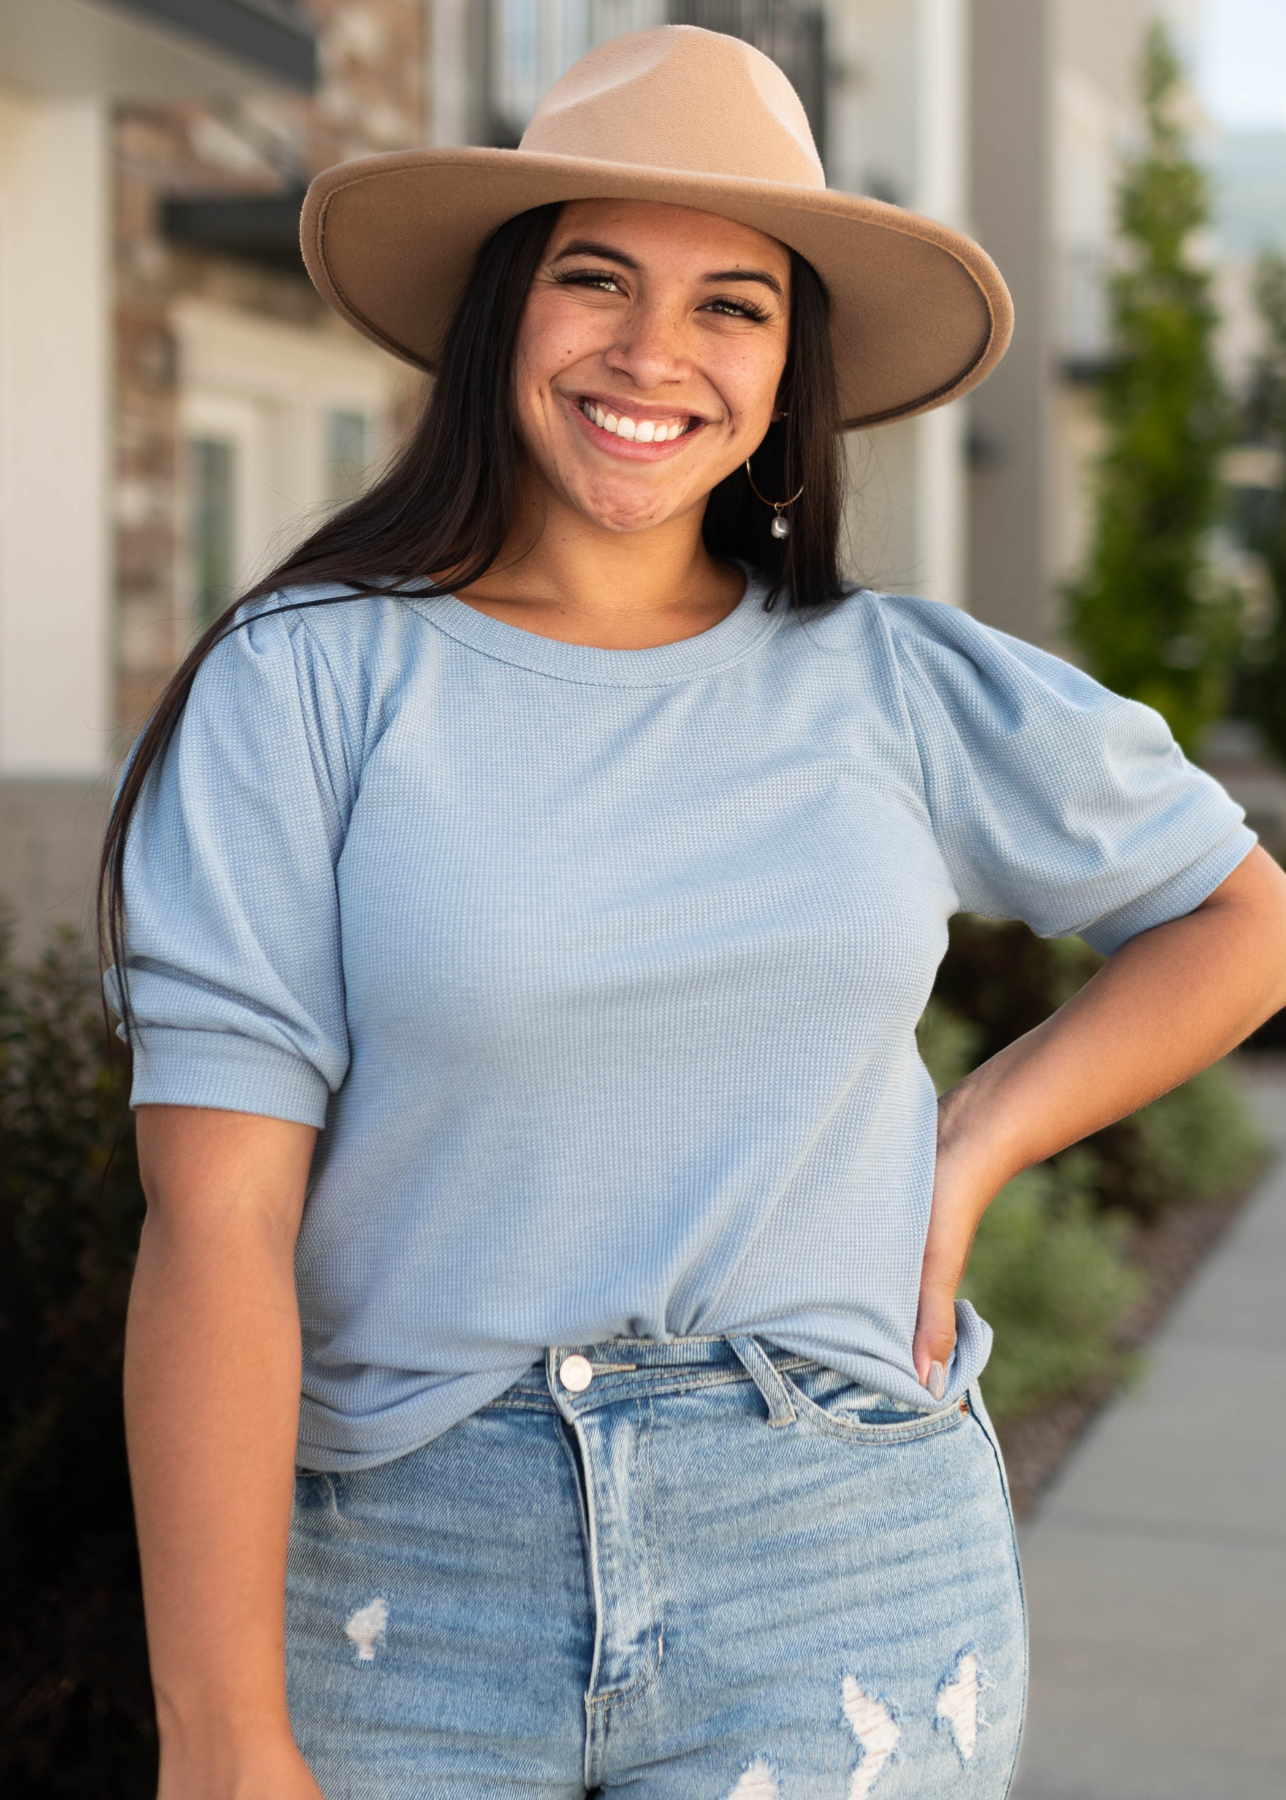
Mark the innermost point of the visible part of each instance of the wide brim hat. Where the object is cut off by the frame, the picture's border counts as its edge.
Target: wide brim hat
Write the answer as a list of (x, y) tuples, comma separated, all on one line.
[(919, 312)]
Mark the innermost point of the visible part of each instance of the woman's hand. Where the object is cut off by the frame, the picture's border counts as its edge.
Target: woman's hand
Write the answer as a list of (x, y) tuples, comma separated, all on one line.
[(212, 1375), (1170, 1002), (961, 1194)]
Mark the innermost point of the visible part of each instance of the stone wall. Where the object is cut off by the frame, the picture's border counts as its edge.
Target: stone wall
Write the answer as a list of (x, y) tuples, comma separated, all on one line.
[(370, 97)]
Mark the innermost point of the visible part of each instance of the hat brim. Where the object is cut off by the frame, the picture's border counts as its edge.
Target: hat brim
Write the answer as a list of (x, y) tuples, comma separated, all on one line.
[(919, 313)]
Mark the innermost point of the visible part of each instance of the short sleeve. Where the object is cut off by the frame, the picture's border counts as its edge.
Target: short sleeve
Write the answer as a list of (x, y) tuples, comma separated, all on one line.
[(1052, 799), (232, 924)]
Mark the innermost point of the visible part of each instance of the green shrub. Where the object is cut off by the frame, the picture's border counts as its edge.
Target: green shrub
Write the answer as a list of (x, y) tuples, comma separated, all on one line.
[(1048, 1273), (999, 980), (949, 1045), (1049, 1269), (1004, 980), (1200, 1141), (75, 1705)]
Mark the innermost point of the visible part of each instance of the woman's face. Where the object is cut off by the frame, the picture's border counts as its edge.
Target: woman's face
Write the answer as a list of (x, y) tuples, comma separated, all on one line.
[(649, 357)]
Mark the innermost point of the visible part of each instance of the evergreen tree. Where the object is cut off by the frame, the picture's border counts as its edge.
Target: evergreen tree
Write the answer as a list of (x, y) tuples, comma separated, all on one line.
[(1266, 531), (1150, 618)]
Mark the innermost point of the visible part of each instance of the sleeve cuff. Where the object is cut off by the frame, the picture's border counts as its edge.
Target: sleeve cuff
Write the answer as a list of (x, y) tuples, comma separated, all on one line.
[(1180, 895), (174, 1067)]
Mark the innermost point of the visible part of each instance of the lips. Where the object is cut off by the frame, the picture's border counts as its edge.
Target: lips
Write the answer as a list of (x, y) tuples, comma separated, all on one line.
[(637, 431)]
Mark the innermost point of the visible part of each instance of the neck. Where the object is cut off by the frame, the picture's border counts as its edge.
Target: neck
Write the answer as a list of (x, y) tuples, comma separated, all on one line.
[(563, 576)]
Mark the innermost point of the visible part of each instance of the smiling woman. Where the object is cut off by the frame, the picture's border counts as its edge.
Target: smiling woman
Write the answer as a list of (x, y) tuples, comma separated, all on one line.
[(521, 905), (648, 368)]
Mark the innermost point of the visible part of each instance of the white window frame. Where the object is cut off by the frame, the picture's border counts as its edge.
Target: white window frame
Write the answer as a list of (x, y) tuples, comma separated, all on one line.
[(267, 387), (560, 31)]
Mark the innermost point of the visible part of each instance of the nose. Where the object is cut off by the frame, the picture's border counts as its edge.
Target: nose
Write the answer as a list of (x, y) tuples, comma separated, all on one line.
[(650, 350)]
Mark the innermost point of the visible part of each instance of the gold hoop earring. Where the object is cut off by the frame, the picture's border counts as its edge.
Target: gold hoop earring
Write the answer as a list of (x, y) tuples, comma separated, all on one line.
[(780, 527)]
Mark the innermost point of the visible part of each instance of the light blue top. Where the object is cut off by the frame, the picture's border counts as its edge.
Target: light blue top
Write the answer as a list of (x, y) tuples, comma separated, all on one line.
[(601, 968)]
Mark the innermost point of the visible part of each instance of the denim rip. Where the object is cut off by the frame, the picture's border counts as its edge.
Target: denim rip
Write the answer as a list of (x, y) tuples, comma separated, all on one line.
[(719, 1572)]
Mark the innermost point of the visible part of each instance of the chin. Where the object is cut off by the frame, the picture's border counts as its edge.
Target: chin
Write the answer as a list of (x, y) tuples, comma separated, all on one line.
[(630, 511)]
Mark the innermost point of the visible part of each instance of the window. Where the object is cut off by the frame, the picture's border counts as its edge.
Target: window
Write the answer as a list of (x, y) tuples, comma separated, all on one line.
[(212, 527), (534, 41), (281, 424)]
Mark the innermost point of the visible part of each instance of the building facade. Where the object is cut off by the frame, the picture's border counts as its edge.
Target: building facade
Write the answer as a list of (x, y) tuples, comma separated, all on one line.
[(1053, 109), (175, 401)]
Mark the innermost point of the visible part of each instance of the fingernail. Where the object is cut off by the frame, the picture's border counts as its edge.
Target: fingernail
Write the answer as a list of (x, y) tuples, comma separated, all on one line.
[(937, 1382)]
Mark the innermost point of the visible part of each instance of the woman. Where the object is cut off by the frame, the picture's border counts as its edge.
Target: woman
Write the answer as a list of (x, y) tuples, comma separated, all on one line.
[(528, 901)]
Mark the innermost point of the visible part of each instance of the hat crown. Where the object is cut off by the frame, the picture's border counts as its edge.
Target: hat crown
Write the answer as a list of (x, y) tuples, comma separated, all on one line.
[(681, 98)]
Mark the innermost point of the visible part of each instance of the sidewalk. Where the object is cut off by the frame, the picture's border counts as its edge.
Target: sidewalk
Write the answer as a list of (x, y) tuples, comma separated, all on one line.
[(1156, 1565)]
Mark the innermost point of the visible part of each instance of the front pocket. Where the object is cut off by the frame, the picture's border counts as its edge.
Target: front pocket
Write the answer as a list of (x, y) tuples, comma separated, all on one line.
[(843, 1407)]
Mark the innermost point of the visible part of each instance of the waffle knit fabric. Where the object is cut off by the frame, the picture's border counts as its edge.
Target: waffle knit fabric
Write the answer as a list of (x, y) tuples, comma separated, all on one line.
[(600, 969)]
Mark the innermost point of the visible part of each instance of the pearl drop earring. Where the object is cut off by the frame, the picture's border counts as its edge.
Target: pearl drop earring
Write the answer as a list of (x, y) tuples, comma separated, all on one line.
[(780, 526)]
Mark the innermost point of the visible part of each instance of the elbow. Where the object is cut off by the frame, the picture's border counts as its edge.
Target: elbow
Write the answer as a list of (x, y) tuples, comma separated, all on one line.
[(1274, 936), (1255, 896)]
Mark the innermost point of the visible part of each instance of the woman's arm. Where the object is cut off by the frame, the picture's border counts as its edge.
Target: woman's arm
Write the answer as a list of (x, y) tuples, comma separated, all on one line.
[(212, 1373), (1170, 1002)]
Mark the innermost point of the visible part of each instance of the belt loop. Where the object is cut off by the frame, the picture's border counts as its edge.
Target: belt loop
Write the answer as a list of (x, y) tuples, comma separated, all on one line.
[(757, 1363)]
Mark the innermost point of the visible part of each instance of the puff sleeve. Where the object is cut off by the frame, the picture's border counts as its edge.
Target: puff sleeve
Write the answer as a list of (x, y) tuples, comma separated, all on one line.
[(232, 921), (1052, 799)]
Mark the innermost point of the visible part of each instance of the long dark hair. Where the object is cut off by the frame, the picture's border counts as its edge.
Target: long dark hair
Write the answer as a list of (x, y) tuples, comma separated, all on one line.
[(446, 502)]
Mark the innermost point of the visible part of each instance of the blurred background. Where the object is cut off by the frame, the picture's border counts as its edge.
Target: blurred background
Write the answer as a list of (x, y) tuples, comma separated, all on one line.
[(176, 404)]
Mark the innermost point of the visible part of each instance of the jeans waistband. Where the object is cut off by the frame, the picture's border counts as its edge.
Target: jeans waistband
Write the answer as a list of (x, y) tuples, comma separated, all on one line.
[(575, 1377)]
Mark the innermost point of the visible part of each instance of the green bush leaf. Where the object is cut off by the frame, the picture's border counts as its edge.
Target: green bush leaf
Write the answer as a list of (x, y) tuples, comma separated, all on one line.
[(1048, 1273)]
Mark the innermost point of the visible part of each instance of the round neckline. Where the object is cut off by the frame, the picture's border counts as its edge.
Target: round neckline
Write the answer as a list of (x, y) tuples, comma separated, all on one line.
[(745, 627)]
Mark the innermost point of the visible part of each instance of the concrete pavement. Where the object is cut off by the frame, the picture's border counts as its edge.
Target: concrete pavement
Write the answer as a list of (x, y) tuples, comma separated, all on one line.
[(1156, 1564)]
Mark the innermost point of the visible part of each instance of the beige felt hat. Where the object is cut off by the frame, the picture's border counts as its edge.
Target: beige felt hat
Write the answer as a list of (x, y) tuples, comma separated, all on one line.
[(919, 313)]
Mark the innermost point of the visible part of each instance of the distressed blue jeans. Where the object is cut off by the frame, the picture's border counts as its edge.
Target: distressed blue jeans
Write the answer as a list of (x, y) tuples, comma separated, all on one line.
[(697, 1570)]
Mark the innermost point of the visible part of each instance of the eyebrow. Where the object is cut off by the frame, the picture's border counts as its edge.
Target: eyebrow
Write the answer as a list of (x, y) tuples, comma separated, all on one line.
[(760, 275), (590, 247)]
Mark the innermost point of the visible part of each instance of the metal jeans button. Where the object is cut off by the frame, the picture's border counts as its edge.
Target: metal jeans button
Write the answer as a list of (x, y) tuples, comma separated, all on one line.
[(576, 1373)]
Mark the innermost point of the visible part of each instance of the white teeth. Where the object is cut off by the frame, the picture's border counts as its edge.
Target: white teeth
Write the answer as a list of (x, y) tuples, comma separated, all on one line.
[(643, 431)]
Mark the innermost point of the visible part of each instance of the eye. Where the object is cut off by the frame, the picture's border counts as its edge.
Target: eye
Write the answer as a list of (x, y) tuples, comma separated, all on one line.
[(603, 279), (737, 309)]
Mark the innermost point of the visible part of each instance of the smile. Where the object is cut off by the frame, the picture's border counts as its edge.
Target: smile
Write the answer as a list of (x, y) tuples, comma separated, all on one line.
[(637, 431)]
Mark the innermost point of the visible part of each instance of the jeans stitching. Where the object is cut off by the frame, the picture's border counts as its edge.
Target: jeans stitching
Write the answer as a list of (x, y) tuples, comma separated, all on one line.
[(336, 1530), (994, 1447), (651, 1547), (665, 1387), (658, 1600), (572, 1453), (947, 1418)]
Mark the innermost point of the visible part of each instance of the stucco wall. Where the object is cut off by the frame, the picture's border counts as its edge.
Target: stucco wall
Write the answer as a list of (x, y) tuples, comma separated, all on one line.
[(55, 384), (50, 834)]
